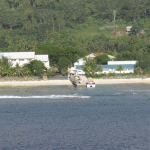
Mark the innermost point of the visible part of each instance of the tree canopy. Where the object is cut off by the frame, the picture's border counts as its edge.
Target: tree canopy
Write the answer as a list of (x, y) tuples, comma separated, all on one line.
[(73, 28)]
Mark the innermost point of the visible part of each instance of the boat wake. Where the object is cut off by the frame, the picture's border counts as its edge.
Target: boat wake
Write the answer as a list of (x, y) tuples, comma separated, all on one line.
[(43, 96)]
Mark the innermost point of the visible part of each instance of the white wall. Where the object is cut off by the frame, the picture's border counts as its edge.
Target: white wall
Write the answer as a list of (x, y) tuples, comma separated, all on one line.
[(114, 71), (79, 62), (44, 59), (132, 62), (22, 58)]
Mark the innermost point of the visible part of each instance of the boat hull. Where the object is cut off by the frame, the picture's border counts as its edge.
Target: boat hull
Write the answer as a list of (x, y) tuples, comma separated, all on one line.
[(88, 85)]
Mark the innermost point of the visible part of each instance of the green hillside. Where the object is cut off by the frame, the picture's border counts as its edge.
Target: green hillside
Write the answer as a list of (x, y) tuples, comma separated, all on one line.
[(84, 25)]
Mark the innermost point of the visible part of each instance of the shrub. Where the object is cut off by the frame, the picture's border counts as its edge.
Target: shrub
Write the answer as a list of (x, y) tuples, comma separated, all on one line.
[(37, 68)]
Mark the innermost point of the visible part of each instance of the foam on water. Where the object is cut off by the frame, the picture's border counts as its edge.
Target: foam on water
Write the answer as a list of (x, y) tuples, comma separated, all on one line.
[(42, 96)]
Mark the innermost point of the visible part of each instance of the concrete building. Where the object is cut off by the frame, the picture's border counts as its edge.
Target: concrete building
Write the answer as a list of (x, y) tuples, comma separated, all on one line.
[(44, 59), (128, 28), (131, 62), (128, 67), (22, 58), (112, 69)]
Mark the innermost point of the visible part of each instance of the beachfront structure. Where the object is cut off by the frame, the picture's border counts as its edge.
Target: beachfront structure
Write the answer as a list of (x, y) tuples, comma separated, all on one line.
[(131, 62), (79, 63), (22, 58), (44, 59), (111, 67)]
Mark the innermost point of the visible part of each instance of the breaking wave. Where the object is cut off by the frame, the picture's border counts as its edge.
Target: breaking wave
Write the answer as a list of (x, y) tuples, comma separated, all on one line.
[(42, 96)]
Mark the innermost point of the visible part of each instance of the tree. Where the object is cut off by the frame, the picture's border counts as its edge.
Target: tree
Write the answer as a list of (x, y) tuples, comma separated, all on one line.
[(102, 59), (136, 28), (64, 71), (99, 69), (63, 63), (90, 66), (120, 68), (26, 71), (18, 70), (51, 72), (143, 61), (7, 71), (138, 70), (37, 67)]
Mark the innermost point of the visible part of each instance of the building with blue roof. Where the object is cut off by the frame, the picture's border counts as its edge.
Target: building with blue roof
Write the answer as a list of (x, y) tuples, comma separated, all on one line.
[(128, 67)]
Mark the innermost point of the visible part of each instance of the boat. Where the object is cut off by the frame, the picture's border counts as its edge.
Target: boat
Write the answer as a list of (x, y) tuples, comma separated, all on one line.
[(90, 83)]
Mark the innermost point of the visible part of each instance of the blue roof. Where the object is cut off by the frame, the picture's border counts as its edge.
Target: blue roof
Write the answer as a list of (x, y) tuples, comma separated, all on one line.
[(115, 66)]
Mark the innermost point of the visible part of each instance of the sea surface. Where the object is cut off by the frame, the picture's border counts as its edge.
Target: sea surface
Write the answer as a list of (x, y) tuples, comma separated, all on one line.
[(108, 117)]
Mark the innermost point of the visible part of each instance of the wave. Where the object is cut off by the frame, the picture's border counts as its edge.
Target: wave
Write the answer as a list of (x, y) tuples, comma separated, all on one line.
[(43, 96), (138, 90)]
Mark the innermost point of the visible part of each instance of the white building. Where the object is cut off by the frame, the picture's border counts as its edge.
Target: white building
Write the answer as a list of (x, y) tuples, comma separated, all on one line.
[(128, 28), (22, 58), (44, 59), (79, 62), (128, 67), (131, 62), (111, 67)]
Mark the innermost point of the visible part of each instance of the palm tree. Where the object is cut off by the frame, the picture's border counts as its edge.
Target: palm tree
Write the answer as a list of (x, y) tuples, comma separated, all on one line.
[(5, 71), (26, 71), (120, 68), (18, 70), (138, 70), (64, 71), (99, 69), (90, 65), (1, 69)]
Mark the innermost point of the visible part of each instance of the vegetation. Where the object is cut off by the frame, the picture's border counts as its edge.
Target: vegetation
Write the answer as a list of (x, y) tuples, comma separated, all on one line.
[(115, 75), (138, 70), (75, 28), (120, 68), (102, 59), (37, 68), (34, 68), (90, 66), (64, 71)]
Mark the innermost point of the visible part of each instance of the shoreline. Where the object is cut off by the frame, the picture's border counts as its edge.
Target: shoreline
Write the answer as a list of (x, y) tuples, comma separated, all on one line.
[(68, 82), (123, 81), (36, 83)]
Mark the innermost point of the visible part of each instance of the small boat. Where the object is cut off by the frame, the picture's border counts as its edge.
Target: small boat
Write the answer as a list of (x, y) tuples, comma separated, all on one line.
[(90, 83)]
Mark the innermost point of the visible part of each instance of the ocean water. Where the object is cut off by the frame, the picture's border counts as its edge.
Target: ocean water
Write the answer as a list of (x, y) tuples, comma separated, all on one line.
[(108, 117)]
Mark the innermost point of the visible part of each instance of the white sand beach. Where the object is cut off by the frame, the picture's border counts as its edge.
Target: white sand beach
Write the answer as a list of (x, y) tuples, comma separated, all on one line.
[(68, 82), (122, 81), (36, 83)]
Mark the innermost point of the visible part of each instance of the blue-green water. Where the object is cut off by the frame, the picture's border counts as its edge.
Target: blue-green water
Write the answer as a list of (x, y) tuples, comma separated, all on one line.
[(109, 117)]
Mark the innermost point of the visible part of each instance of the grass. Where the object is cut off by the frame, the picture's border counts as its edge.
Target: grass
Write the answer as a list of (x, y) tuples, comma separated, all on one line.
[(92, 28)]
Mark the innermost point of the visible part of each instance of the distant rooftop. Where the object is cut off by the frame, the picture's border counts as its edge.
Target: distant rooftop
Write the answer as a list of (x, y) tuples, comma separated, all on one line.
[(18, 55)]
